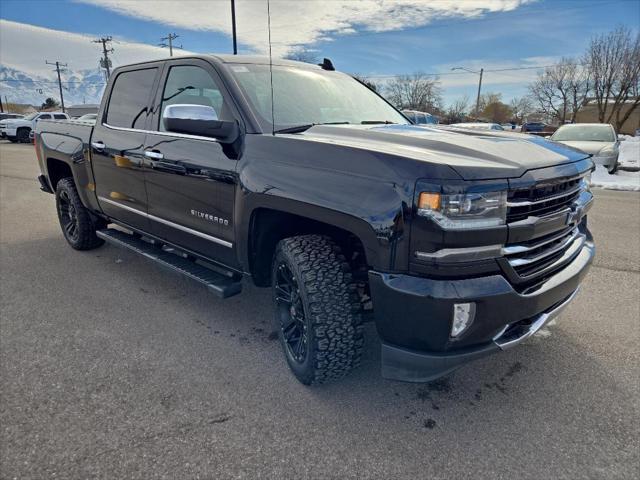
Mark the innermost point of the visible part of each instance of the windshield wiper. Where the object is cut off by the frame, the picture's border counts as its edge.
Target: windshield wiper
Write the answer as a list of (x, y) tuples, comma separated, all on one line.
[(302, 128), (376, 122)]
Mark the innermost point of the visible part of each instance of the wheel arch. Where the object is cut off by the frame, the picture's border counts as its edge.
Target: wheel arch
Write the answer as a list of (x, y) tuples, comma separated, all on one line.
[(267, 225)]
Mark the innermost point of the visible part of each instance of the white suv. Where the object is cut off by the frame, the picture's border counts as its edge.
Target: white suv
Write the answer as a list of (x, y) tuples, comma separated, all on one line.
[(18, 129)]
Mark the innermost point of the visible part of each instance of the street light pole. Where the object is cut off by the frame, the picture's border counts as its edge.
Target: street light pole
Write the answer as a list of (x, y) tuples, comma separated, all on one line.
[(233, 26), (479, 85)]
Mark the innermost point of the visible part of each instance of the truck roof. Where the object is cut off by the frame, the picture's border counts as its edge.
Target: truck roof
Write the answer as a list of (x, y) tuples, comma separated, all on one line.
[(228, 58)]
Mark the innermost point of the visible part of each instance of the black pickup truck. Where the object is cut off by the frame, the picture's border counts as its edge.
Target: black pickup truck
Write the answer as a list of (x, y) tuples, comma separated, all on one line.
[(456, 243)]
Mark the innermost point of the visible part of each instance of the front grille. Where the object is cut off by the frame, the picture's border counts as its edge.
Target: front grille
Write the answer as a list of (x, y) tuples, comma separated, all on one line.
[(534, 257), (537, 258), (542, 199)]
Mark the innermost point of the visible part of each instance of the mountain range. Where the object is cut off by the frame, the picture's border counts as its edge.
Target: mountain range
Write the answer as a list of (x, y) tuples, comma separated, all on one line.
[(80, 86)]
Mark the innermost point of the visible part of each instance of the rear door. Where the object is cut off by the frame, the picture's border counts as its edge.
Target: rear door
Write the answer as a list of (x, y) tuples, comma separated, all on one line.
[(117, 146), (190, 180)]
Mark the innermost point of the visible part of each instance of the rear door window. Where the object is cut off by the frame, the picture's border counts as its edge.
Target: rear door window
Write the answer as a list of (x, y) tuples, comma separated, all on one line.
[(129, 101), (60, 117)]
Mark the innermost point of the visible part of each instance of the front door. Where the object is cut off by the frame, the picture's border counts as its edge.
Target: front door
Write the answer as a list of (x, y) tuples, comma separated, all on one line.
[(190, 180), (117, 148)]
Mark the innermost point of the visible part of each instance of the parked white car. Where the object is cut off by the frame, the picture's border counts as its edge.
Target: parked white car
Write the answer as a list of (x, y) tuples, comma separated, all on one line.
[(597, 139), (18, 129)]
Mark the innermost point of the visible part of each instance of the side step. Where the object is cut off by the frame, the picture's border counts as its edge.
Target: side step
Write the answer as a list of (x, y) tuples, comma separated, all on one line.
[(218, 283)]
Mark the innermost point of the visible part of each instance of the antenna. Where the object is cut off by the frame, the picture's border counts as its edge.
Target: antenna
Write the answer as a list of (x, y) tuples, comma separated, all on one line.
[(273, 116)]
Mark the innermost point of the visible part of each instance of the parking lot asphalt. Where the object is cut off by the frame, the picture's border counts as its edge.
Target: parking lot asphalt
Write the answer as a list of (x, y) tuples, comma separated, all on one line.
[(113, 368)]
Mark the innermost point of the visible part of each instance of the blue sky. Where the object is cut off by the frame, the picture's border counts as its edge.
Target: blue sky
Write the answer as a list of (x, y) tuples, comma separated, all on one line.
[(399, 37)]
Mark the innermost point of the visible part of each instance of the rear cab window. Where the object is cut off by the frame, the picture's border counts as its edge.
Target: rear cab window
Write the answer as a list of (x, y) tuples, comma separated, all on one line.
[(129, 100), (60, 117)]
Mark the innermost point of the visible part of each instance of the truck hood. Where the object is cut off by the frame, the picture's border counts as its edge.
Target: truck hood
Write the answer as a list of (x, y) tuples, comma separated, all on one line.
[(15, 121), (474, 155)]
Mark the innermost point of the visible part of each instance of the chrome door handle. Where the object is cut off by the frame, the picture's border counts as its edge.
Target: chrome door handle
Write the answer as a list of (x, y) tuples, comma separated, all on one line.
[(98, 145), (154, 155)]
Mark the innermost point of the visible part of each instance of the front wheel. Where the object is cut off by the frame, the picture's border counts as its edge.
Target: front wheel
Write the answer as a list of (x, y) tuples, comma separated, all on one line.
[(23, 135), (75, 220), (613, 169), (317, 312)]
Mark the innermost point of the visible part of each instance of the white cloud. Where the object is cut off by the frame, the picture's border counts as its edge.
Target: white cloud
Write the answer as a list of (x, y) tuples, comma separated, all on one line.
[(302, 22), (26, 47)]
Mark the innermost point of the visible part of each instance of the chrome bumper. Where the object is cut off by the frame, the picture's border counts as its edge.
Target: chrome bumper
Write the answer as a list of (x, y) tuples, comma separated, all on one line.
[(505, 341)]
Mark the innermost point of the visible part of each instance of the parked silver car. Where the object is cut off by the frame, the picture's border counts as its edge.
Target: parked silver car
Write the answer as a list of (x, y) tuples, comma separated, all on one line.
[(598, 139)]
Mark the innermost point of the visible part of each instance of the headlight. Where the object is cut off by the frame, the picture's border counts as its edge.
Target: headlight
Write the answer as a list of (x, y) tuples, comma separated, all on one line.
[(585, 182), (466, 210), (608, 151)]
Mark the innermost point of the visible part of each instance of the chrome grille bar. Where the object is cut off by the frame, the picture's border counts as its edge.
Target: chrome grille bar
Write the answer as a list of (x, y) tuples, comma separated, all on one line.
[(520, 261), (513, 249), (526, 203)]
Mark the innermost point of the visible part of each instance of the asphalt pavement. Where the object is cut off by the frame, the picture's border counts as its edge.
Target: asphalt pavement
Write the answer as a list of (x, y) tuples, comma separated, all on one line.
[(114, 368)]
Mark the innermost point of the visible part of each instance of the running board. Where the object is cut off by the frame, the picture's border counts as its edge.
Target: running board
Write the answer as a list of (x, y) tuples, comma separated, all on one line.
[(218, 283)]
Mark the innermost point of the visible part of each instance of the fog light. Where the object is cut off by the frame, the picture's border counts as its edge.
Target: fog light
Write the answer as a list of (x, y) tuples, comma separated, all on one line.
[(463, 314)]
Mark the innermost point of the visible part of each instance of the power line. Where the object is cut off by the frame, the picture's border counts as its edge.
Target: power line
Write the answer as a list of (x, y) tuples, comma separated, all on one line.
[(438, 74), (30, 80), (58, 65), (169, 38), (105, 62)]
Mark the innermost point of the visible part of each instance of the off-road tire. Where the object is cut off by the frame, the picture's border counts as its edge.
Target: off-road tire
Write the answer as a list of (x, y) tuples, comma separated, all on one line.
[(84, 234), (22, 135), (331, 308)]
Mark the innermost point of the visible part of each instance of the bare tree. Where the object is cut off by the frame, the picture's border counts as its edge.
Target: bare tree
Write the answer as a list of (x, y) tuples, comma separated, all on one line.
[(457, 111), (521, 107), (613, 60), (372, 84), (561, 90), (415, 92)]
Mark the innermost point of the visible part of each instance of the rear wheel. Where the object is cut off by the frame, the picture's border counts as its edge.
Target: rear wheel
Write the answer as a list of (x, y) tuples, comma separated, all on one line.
[(75, 220), (317, 312), (23, 135)]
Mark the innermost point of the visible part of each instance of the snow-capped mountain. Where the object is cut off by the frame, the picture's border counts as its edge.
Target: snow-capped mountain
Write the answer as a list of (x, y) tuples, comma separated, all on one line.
[(82, 86)]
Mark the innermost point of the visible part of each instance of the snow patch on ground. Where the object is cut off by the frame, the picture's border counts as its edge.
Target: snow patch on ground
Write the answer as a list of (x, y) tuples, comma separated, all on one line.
[(628, 175)]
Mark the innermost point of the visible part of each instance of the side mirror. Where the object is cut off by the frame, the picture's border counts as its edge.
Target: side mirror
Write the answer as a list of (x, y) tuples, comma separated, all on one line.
[(199, 120)]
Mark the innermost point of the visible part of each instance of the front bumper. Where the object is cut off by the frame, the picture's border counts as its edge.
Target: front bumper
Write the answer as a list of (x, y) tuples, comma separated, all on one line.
[(413, 316), (607, 161)]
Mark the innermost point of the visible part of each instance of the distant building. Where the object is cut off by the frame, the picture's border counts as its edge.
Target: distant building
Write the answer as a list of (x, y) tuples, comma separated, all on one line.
[(589, 114), (81, 109)]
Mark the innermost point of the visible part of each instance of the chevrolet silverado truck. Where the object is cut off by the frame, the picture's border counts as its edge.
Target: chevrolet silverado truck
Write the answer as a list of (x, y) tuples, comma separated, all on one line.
[(457, 244)]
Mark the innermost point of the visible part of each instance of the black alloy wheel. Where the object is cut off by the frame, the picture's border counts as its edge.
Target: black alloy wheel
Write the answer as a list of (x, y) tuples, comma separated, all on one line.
[(290, 311), (68, 217)]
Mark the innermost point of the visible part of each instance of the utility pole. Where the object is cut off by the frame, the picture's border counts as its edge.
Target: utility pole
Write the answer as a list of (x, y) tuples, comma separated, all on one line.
[(105, 62), (58, 65), (478, 97), (1, 107), (169, 38), (233, 26), (479, 85)]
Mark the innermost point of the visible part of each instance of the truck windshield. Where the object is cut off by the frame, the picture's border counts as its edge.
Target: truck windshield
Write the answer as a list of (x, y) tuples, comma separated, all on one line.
[(305, 96)]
